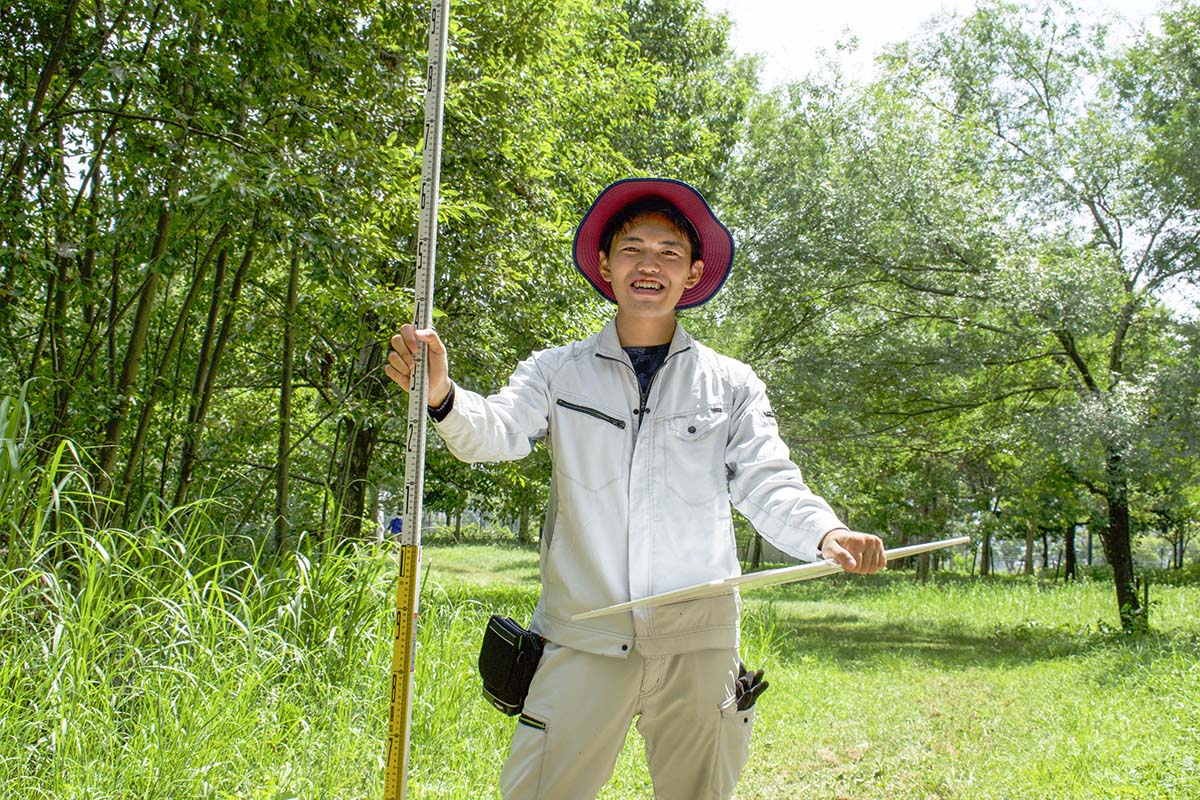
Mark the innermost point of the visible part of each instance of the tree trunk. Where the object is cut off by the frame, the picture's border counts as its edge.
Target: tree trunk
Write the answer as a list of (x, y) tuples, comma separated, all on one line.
[(283, 458), (1069, 568), (360, 436), (133, 354), (756, 549), (159, 382), (1117, 545), (206, 372), (16, 173), (356, 460), (1029, 549), (985, 555), (202, 362), (523, 528)]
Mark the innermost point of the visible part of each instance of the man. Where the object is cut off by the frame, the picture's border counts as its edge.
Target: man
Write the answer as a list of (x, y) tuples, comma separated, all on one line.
[(651, 435)]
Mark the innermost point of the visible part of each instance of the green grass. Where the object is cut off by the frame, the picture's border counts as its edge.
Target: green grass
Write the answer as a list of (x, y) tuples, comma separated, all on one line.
[(168, 668), (171, 661), (883, 687)]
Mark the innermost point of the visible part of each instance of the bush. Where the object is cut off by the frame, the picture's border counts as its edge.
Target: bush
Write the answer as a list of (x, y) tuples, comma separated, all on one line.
[(1188, 576)]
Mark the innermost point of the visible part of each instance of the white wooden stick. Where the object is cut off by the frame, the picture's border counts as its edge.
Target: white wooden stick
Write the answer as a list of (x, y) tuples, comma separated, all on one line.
[(754, 580)]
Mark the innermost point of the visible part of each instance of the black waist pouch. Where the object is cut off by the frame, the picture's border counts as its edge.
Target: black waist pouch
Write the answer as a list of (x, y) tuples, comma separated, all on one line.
[(507, 660)]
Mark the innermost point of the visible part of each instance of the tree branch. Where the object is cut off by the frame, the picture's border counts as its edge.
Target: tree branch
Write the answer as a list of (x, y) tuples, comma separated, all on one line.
[(150, 118)]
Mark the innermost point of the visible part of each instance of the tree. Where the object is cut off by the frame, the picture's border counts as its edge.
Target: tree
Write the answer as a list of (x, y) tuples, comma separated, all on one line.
[(979, 251), (163, 166)]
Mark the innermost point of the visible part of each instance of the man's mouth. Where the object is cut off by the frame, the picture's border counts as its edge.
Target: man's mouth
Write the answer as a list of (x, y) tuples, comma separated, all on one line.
[(652, 286)]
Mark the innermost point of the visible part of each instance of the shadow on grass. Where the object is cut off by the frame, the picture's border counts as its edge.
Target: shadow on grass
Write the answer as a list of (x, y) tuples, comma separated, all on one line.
[(852, 642)]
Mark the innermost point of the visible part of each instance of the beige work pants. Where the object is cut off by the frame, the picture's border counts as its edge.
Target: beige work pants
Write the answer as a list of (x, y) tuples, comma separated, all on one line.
[(579, 709)]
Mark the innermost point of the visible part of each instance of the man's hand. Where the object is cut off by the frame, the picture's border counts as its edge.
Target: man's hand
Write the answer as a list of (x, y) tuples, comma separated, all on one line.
[(859, 553), (402, 358)]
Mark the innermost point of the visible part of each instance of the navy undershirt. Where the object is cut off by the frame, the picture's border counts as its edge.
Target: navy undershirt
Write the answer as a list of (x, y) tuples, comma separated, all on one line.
[(646, 361)]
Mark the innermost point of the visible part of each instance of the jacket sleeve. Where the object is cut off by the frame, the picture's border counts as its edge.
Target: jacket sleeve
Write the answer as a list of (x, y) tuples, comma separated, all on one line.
[(764, 484), (502, 427)]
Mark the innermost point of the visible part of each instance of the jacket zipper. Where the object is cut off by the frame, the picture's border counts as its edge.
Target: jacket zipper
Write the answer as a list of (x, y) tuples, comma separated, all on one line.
[(591, 412), (643, 396)]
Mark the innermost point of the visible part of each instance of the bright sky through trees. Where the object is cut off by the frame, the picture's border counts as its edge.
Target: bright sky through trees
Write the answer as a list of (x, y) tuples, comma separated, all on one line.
[(795, 38), (792, 35)]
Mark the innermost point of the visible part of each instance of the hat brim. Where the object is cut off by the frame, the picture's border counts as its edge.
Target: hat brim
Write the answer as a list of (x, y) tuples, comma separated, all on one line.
[(716, 242)]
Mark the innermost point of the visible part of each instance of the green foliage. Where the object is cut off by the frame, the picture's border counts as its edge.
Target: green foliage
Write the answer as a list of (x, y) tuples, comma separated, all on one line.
[(136, 660), (164, 165), (955, 277), (1161, 75)]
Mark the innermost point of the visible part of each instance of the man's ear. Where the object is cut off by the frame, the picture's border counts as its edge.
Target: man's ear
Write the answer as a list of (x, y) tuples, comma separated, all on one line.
[(694, 274), (605, 272)]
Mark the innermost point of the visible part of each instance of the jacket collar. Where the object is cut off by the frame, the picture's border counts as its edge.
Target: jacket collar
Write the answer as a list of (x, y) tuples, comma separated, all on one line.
[(609, 346)]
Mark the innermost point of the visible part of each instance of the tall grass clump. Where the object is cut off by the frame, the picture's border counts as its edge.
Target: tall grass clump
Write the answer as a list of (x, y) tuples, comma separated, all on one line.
[(172, 659)]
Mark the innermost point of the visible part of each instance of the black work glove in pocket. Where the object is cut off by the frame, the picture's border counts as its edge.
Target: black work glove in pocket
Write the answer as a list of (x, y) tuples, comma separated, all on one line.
[(750, 685)]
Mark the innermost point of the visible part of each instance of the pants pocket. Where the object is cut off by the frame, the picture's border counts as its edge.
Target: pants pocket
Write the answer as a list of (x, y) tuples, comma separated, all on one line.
[(733, 748), (521, 777)]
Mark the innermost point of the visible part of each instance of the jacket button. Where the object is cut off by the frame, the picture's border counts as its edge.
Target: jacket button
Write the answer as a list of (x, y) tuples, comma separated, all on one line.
[(624, 648), (691, 428), (637, 411)]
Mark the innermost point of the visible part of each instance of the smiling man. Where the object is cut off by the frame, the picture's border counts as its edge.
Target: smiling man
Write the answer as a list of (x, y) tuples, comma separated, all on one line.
[(653, 437)]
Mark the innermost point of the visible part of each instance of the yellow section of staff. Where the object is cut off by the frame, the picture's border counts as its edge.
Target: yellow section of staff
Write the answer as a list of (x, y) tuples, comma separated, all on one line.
[(404, 662)]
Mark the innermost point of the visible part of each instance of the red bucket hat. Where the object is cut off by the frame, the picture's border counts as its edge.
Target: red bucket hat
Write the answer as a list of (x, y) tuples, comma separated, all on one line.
[(716, 243)]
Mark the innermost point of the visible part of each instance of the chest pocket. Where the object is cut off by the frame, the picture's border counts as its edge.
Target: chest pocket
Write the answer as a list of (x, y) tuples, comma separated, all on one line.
[(588, 441), (694, 453)]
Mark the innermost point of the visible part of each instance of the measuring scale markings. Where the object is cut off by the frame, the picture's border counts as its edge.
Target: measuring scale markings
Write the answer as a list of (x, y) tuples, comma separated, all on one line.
[(404, 646)]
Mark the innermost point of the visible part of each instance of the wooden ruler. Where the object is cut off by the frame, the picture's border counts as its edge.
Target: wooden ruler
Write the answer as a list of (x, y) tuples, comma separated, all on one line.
[(404, 647)]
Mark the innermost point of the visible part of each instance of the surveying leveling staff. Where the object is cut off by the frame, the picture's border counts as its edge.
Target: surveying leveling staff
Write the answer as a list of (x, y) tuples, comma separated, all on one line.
[(652, 435)]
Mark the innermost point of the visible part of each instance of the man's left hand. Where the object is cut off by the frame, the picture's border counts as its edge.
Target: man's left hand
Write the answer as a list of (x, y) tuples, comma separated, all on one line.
[(858, 553)]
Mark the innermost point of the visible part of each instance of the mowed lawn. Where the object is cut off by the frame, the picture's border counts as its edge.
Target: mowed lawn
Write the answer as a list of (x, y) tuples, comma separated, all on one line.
[(883, 687)]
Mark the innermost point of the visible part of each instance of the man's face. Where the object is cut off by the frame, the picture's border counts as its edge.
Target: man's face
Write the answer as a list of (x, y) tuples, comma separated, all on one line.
[(650, 266)]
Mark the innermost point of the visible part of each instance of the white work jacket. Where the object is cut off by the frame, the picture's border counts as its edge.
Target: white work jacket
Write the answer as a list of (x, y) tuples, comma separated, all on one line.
[(641, 488)]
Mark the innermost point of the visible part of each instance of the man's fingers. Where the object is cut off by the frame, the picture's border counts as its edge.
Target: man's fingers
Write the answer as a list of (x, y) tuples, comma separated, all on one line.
[(873, 557), (402, 358), (858, 553), (431, 339), (401, 376), (844, 558)]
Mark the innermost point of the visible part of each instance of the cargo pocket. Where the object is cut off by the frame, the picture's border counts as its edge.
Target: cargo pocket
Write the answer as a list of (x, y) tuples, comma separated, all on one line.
[(521, 775), (733, 748)]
